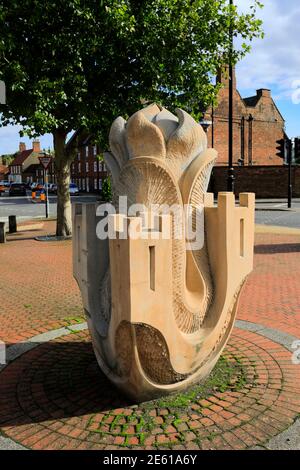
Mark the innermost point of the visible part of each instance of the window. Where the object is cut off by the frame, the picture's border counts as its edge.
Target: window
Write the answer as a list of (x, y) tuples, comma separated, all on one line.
[(83, 184), (95, 167), (78, 155), (79, 167), (95, 183), (95, 150), (100, 183), (104, 167), (86, 166), (86, 150)]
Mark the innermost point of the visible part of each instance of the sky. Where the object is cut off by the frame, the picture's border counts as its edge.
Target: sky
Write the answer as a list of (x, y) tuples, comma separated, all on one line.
[(273, 63)]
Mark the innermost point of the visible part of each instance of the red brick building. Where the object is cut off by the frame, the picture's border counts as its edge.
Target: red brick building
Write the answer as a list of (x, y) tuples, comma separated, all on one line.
[(257, 125), (88, 170), (26, 166)]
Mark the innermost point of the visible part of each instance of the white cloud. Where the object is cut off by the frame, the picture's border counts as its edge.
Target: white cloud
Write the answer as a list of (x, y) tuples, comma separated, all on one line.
[(275, 60)]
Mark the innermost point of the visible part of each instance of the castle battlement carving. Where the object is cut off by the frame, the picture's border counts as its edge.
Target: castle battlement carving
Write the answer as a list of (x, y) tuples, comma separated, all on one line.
[(160, 291)]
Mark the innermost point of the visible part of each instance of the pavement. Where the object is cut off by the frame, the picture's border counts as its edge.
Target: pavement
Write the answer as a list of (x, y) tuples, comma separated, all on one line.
[(24, 208), (53, 395)]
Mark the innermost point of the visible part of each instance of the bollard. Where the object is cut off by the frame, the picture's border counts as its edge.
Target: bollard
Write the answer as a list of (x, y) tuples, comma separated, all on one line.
[(12, 223), (2, 232)]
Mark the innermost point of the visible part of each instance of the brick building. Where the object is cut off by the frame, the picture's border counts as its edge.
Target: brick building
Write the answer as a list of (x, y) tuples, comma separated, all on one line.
[(88, 170), (23, 167), (26, 166), (257, 125)]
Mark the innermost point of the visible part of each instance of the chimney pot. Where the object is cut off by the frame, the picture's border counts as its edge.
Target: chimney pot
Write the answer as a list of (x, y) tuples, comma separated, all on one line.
[(22, 146), (36, 146)]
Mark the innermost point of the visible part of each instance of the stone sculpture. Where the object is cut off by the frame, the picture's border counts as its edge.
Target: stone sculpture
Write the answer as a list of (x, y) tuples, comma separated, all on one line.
[(160, 312)]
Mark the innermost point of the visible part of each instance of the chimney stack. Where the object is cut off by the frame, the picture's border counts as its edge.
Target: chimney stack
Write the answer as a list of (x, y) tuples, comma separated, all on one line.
[(22, 146), (223, 76), (36, 146), (263, 92)]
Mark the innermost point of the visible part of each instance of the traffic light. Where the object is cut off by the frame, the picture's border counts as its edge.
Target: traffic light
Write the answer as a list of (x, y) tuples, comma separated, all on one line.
[(297, 149), (281, 148)]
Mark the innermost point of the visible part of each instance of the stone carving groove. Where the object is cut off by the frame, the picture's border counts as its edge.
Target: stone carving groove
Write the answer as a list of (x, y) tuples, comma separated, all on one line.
[(161, 309)]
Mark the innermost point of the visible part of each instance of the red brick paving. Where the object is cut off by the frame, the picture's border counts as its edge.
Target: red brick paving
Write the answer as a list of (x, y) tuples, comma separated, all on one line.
[(271, 295), (37, 290), (55, 397)]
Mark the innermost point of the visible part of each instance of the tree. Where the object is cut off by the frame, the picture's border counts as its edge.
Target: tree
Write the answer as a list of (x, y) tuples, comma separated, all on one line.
[(7, 159), (106, 190), (78, 64)]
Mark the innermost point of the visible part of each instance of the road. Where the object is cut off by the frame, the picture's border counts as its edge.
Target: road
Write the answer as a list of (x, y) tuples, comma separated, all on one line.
[(276, 212), (269, 212), (24, 208)]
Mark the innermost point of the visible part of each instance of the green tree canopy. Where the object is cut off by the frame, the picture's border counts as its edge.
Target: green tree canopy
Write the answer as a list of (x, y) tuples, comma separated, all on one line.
[(78, 64)]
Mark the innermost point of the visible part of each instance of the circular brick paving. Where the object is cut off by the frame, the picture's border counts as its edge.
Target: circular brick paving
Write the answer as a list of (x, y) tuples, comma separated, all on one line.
[(55, 397)]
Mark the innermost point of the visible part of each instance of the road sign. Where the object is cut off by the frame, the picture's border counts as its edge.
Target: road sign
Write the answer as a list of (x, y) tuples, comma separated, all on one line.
[(45, 161)]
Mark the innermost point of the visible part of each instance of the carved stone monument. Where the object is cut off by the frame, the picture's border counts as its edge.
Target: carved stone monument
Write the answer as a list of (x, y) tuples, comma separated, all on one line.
[(160, 307)]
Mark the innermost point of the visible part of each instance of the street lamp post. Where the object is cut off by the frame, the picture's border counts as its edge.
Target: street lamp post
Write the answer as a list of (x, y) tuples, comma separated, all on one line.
[(230, 177), (205, 125), (45, 161), (289, 158)]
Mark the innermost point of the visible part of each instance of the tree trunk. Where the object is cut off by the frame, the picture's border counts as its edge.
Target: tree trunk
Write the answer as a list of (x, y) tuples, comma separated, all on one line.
[(62, 167)]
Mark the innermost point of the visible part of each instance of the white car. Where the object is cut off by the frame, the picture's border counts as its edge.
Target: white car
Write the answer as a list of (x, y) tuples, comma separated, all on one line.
[(74, 191)]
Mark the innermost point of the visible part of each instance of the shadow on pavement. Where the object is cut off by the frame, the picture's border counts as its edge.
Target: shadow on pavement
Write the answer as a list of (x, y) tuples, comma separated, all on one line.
[(277, 248), (54, 381)]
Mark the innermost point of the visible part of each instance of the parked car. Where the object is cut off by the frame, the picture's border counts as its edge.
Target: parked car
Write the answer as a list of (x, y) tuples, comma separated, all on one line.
[(4, 186), (49, 187), (74, 191), (53, 188), (17, 189)]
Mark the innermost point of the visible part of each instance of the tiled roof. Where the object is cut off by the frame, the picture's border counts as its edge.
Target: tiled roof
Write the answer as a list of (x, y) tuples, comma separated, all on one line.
[(32, 168), (251, 101), (21, 157)]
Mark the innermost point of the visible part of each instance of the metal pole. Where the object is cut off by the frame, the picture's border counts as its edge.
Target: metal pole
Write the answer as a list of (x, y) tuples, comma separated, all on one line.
[(290, 188), (47, 201), (230, 178), (212, 127)]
